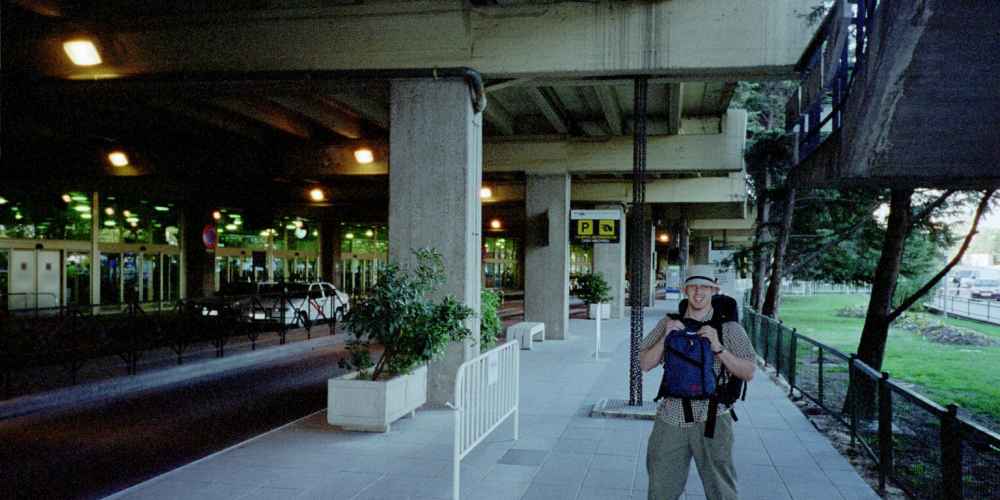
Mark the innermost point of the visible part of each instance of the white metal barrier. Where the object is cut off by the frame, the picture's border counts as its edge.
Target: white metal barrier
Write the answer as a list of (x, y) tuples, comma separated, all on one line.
[(487, 390)]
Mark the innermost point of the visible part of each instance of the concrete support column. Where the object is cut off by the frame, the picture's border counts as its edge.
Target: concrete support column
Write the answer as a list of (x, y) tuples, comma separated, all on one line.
[(609, 260), (546, 269), (701, 248), (199, 262), (329, 257), (435, 172), (683, 248)]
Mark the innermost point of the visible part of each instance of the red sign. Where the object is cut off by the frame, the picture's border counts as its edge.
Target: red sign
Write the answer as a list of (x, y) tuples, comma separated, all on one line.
[(209, 237)]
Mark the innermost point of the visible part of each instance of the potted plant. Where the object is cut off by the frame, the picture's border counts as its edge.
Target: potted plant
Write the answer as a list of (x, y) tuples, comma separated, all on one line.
[(412, 329), (593, 290)]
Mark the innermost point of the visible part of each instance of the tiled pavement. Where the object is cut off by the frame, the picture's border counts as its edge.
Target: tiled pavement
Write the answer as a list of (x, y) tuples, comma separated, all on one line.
[(561, 454)]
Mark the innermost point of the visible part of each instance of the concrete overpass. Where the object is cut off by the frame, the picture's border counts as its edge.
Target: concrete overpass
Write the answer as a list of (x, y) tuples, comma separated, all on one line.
[(227, 104)]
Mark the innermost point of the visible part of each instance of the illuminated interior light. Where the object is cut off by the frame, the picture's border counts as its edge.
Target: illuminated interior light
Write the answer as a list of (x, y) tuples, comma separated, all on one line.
[(82, 208), (364, 156), (297, 223), (132, 220), (80, 197), (231, 227), (485, 193), (109, 211), (126, 213), (349, 236), (664, 238), (18, 216), (118, 159), (264, 233), (315, 232), (86, 216), (65, 198), (238, 222), (369, 233), (3, 201), (82, 52), (495, 224), (109, 223), (216, 215), (161, 209), (133, 223), (317, 194), (290, 226)]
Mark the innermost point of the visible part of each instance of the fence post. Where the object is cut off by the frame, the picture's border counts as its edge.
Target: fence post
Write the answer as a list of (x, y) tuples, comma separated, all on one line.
[(884, 431), (852, 398), (820, 378), (951, 454), (777, 348), (767, 341), (792, 364)]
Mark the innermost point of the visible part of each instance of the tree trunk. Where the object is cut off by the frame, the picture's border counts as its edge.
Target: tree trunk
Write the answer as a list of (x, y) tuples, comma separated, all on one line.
[(875, 333), (773, 299), (762, 241)]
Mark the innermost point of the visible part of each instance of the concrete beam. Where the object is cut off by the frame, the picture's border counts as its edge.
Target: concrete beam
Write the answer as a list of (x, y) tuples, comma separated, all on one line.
[(333, 118), (268, 113), (497, 115), (675, 107), (733, 225), (702, 190), (738, 40), (612, 112), (551, 111)]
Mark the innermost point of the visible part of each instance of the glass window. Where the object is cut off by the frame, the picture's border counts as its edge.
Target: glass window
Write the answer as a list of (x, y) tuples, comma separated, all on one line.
[(150, 278), (31, 215), (4, 278), (77, 279), (278, 269), (127, 219), (111, 274), (298, 271), (130, 278), (172, 278)]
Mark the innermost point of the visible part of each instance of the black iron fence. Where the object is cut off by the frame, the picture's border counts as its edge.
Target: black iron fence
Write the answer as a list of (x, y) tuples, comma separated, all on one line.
[(925, 449), (72, 337)]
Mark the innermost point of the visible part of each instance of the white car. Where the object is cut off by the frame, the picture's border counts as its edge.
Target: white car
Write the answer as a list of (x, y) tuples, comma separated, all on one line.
[(304, 304), (984, 288)]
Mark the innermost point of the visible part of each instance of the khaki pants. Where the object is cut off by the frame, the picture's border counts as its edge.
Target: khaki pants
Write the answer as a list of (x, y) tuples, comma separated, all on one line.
[(668, 459)]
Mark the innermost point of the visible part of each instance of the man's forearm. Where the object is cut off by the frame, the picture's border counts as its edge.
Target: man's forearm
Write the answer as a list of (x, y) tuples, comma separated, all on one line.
[(651, 357), (739, 367)]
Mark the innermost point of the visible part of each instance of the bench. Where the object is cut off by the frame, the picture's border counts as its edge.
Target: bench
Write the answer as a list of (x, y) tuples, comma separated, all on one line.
[(525, 331)]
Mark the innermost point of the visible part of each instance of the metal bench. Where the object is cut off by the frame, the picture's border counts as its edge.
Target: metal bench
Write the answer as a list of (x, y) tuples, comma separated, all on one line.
[(525, 331)]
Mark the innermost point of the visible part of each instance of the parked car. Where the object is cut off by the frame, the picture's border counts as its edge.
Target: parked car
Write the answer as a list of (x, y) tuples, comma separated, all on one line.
[(986, 288), (304, 304)]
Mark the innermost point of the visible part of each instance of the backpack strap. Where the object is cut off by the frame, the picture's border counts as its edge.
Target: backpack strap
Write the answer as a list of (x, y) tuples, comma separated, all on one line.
[(688, 411), (713, 412)]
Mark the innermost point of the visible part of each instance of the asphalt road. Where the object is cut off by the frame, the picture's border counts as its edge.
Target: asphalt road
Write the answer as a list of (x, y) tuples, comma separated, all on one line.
[(98, 450)]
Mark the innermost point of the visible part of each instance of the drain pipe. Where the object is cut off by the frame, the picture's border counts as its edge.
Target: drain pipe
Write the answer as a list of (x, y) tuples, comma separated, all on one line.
[(230, 82)]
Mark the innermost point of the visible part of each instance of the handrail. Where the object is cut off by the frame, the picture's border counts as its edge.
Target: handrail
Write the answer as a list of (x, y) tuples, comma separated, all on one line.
[(823, 346)]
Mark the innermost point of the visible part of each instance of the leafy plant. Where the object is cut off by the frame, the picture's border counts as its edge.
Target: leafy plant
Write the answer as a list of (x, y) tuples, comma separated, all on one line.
[(489, 319), (593, 289), (400, 315)]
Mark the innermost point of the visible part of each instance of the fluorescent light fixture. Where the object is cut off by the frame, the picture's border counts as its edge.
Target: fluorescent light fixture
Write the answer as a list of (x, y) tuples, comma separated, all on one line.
[(364, 156), (86, 216), (290, 226), (317, 194), (495, 224), (109, 223), (81, 197), (118, 159), (485, 193), (82, 208), (82, 52), (231, 227), (66, 198), (349, 236), (161, 209), (3, 201)]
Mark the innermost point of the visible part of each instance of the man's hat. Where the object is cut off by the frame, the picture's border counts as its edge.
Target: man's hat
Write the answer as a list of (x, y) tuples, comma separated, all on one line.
[(701, 275)]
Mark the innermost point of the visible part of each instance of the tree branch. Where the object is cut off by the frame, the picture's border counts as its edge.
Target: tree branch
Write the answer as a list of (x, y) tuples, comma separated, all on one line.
[(834, 241), (930, 207), (912, 299)]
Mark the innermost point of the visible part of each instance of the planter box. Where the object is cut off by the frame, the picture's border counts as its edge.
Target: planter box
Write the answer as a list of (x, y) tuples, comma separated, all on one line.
[(372, 406), (605, 310)]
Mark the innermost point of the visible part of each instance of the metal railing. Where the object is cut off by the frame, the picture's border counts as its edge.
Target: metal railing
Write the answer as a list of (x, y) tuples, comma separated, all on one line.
[(487, 391), (73, 336), (925, 449), (820, 288), (828, 69), (980, 309)]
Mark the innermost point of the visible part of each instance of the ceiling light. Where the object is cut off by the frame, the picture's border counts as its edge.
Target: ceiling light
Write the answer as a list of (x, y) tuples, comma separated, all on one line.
[(82, 52), (349, 236), (66, 198), (86, 216), (315, 232), (495, 224), (82, 208), (297, 223), (485, 193), (364, 156), (126, 213), (664, 238), (369, 233), (231, 227), (161, 209), (3, 201), (109, 211), (133, 223), (118, 159), (216, 215), (290, 226), (317, 194), (109, 223), (80, 197), (18, 216)]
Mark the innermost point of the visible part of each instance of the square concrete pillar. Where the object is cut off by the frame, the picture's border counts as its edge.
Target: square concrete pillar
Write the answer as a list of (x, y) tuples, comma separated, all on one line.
[(435, 172), (329, 257), (609, 260), (701, 250), (546, 268)]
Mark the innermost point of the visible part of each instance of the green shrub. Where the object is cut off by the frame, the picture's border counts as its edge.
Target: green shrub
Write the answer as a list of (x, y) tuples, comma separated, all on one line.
[(399, 314), (593, 289), (489, 318)]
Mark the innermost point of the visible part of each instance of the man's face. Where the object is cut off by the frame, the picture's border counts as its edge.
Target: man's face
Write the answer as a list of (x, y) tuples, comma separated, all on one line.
[(699, 296)]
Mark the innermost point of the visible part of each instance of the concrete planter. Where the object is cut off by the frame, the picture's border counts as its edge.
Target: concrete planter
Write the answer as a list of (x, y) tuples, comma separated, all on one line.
[(605, 311), (372, 406)]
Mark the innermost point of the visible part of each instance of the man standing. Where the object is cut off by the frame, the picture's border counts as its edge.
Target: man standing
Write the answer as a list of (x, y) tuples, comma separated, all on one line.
[(674, 441)]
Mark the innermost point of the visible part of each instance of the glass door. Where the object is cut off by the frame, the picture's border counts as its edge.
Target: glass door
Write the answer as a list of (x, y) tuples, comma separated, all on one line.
[(4, 278), (111, 278), (77, 292)]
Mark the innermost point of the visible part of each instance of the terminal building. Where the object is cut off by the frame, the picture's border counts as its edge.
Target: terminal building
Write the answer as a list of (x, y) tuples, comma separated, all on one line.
[(157, 152)]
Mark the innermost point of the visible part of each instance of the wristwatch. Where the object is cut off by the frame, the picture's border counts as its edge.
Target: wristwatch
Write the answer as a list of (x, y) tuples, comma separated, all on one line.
[(720, 351)]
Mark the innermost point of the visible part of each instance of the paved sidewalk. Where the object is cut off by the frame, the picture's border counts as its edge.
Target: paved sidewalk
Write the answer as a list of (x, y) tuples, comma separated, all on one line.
[(561, 454)]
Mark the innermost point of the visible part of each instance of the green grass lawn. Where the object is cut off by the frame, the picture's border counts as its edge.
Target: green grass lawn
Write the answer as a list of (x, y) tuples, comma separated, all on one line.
[(965, 375)]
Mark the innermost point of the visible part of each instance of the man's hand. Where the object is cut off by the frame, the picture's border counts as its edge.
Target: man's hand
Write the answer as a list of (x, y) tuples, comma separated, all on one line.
[(673, 324), (710, 334)]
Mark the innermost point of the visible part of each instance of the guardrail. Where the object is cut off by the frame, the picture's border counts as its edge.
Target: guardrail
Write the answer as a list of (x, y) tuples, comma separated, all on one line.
[(927, 450), (487, 391), (979, 309), (828, 68), (72, 336)]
